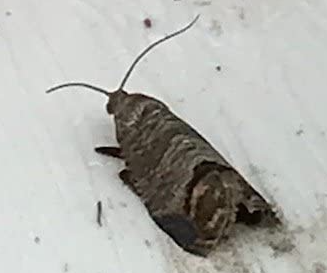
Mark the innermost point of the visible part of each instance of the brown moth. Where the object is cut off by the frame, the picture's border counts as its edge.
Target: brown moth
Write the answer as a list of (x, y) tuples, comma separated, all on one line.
[(189, 189)]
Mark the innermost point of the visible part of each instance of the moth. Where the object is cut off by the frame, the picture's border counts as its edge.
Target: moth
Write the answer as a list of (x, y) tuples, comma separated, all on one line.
[(189, 189)]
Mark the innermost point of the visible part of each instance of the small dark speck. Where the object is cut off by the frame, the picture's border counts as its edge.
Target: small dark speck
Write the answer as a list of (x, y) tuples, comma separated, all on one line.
[(124, 205), (299, 132), (8, 13), (147, 243), (147, 23), (218, 68), (37, 240), (241, 15), (66, 268)]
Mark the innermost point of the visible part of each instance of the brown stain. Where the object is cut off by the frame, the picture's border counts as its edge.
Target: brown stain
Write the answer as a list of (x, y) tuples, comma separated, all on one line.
[(319, 267), (147, 22)]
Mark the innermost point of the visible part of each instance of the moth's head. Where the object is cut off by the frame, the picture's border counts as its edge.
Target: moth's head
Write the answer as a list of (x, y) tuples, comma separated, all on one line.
[(116, 101), (116, 98)]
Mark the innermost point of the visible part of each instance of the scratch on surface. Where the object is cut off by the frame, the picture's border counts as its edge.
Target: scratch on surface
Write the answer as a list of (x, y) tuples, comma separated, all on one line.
[(66, 267), (202, 3)]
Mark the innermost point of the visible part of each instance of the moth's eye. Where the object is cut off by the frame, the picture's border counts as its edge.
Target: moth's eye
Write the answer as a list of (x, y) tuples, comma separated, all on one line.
[(109, 108)]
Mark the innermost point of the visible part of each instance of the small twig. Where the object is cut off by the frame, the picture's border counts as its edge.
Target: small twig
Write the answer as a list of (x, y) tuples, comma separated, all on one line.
[(99, 213)]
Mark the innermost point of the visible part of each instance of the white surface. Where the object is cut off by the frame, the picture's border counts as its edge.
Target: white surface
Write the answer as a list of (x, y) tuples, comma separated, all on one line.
[(272, 85)]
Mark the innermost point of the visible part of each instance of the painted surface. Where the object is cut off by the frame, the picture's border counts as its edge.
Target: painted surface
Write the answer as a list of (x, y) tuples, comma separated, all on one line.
[(264, 109)]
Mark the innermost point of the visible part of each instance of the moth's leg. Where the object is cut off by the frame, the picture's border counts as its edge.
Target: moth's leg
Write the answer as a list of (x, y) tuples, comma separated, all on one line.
[(126, 176), (109, 151)]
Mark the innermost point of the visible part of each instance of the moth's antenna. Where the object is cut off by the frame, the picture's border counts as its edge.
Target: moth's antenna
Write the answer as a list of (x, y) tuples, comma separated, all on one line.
[(146, 50), (97, 89), (128, 73)]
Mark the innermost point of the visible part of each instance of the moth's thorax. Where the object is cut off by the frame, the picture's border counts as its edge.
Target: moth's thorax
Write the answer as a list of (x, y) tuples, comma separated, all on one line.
[(134, 109)]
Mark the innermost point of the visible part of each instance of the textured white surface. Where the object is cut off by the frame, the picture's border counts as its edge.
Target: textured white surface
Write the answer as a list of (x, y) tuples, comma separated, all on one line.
[(265, 111)]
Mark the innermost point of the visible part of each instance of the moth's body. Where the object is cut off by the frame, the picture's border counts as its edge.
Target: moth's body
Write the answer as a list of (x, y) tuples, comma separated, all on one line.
[(178, 175), (189, 189)]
